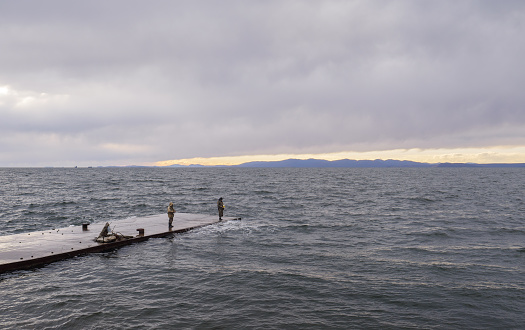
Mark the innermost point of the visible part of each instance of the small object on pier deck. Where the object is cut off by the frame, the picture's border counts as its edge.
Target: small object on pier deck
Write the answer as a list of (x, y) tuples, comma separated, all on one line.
[(105, 231), (106, 237), (85, 226), (141, 232)]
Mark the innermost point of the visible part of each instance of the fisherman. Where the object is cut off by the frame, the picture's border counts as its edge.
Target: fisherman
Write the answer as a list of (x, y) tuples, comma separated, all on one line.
[(105, 231), (220, 206), (171, 213)]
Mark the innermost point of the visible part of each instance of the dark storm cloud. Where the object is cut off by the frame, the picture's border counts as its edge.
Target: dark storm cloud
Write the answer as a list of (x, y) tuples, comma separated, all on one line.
[(136, 81)]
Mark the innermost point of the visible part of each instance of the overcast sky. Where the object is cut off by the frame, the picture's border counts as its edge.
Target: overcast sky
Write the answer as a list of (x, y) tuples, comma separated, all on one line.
[(136, 82)]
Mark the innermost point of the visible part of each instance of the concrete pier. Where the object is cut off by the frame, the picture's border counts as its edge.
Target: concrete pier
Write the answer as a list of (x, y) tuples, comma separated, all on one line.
[(28, 250)]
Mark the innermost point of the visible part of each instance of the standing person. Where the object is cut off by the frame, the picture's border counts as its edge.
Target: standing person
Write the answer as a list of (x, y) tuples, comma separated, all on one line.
[(220, 206), (171, 213)]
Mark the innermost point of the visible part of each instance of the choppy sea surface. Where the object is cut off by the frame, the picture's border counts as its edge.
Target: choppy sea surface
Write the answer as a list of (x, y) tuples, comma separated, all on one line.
[(433, 248)]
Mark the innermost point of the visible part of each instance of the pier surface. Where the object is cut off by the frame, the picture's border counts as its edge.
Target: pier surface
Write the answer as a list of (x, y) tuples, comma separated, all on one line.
[(28, 250)]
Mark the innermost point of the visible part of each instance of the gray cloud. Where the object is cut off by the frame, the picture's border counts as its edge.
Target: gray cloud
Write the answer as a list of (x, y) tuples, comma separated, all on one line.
[(133, 81)]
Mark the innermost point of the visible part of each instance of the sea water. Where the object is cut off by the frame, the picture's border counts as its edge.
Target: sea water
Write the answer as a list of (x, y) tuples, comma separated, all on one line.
[(433, 248)]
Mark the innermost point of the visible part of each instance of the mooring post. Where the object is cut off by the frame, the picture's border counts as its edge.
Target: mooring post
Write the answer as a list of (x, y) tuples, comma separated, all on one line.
[(141, 232), (85, 226)]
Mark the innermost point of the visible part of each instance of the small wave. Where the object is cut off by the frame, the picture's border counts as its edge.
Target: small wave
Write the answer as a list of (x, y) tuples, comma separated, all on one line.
[(65, 202), (264, 192), (104, 199), (301, 226), (242, 226), (424, 249), (422, 199), (434, 233), (510, 230)]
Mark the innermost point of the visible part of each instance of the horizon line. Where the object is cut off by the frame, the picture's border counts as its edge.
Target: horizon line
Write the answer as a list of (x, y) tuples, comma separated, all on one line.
[(303, 161), (486, 155)]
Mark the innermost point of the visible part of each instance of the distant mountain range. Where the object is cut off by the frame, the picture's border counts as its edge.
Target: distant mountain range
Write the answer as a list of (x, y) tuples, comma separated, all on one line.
[(335, 163), (378, 163)]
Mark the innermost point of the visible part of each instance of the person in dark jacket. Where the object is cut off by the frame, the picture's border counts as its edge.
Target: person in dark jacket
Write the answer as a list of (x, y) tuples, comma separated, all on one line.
[(220, 206), (171, 213)]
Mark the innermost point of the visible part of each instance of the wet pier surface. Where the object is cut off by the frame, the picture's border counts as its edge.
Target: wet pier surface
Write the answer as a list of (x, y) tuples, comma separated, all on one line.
[(28, 250)]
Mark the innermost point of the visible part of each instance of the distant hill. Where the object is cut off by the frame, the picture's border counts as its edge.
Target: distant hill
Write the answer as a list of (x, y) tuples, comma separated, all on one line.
[(347, 163), (336, 163), (509, 165), (378, 163)]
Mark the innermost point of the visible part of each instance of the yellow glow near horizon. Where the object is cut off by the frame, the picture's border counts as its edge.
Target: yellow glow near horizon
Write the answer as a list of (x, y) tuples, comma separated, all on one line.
[(502, 154)]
